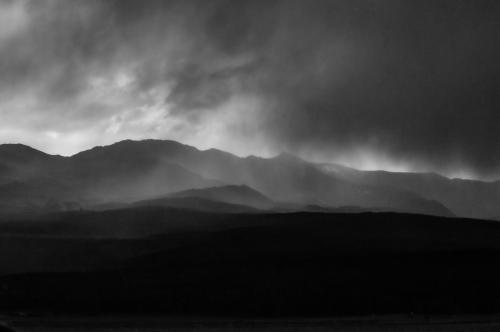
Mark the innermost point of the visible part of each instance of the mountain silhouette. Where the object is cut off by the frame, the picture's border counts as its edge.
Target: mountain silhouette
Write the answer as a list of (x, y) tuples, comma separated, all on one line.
[(467, 198), (130, 171), (232, 194)]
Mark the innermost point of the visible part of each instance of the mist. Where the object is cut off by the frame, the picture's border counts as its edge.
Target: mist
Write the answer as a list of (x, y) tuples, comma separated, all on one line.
[(392, 85)]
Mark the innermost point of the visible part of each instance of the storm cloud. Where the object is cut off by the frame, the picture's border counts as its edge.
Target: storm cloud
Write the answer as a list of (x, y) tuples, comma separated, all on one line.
[(401, 85)]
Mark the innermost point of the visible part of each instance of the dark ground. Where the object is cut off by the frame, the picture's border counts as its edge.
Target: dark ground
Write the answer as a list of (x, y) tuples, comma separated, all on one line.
[(172, 324), (277, 266)]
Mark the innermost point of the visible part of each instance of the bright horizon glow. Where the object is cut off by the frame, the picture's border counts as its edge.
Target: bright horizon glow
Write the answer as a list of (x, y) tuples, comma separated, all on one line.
[(85, 74)]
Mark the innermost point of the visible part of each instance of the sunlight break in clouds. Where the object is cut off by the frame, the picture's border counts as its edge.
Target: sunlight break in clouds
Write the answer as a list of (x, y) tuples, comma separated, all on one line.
[(318, 79)]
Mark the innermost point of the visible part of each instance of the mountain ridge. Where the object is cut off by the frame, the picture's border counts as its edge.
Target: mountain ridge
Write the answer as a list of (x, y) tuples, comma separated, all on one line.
[(155, 167), (278, 156)]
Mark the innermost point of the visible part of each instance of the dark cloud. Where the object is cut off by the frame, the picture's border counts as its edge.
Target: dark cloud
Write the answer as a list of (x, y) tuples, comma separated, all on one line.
[(413, 81)]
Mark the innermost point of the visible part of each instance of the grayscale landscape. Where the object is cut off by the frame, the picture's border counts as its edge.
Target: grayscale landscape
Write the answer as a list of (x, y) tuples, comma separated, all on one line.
[(249, 165)]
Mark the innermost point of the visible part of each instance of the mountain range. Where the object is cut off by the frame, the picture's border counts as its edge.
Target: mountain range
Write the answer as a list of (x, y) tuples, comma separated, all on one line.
[(146, 227), (158, 172)]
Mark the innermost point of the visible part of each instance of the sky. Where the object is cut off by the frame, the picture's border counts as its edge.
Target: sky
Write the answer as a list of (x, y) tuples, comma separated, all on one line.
[(395, 85)]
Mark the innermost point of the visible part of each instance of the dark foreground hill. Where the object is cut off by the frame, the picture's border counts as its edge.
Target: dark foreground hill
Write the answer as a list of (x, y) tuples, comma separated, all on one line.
[(300, 264)]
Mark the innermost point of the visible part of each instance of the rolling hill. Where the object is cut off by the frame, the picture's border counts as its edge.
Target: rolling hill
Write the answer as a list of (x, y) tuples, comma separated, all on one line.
[(232, 194), (181, 262)]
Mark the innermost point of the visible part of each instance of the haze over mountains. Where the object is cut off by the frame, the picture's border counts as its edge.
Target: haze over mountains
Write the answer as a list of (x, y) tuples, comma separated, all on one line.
[(146, 227), (167, 172), (384, 108)]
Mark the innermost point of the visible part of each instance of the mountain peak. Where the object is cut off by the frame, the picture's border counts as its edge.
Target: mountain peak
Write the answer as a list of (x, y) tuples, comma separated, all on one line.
[(18, 147), (139, 146), (21, 151)]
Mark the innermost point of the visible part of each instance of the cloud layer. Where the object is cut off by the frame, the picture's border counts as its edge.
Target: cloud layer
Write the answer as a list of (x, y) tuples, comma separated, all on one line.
[(401, 85)]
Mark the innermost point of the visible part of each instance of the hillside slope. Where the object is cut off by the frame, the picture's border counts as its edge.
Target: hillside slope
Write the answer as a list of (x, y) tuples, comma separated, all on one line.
[(232, 194)]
